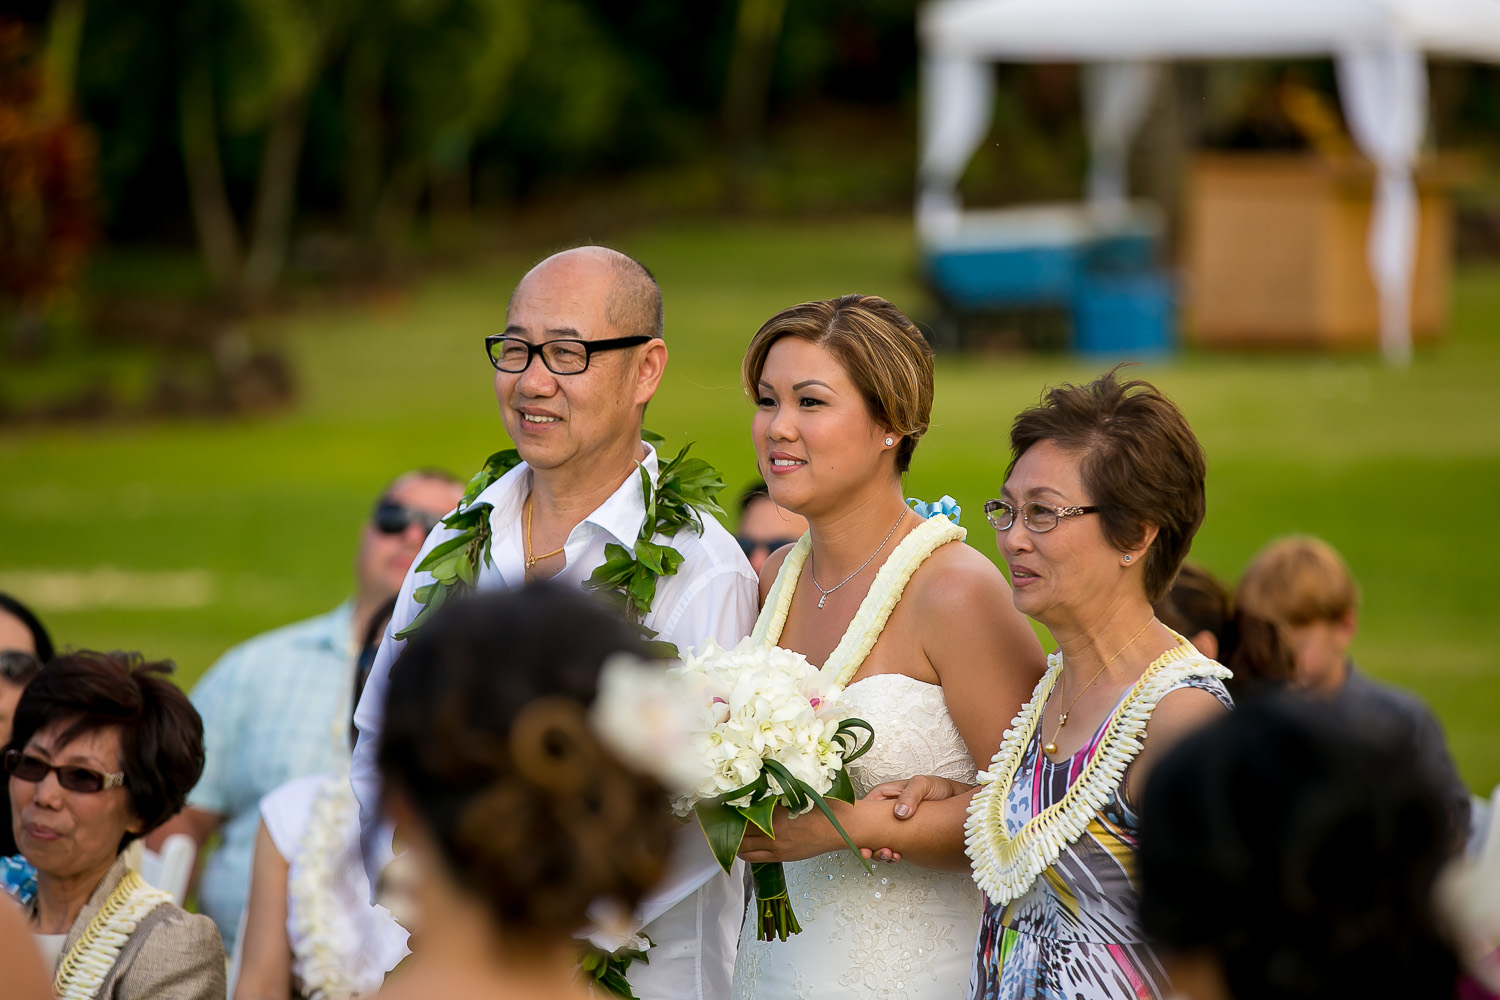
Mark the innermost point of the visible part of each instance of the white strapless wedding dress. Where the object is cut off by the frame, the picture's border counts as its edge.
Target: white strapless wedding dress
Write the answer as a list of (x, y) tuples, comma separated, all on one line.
[(903, 933)]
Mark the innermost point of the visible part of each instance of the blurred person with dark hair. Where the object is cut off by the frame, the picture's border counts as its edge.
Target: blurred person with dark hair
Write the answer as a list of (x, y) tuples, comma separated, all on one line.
[(1254, 650), (1290, 852), (105, 749), (1104, 494), (24, 647), (310, 928), (21, 629), (764, 525), (1198, 606), (1304, 586), (522, 818), (581, 356), (273, 707)]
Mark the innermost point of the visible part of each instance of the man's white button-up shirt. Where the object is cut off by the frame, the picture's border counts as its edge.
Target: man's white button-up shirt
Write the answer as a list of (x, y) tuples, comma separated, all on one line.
[(694, 915)]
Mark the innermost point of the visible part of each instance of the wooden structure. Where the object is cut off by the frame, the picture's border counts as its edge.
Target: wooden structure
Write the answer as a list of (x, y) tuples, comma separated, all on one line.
[(1276, 253)]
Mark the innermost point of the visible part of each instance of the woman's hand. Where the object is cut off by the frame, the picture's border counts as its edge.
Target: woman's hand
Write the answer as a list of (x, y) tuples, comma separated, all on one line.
[(905, 797), (807, 836)]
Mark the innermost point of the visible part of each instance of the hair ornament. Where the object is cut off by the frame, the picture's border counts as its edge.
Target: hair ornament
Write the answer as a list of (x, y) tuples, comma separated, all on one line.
[(644, 718), (945, 507)]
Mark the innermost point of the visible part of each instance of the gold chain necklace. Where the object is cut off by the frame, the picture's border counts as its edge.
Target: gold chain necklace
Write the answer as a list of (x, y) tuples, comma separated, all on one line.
[(532, 560), (1062, 720)]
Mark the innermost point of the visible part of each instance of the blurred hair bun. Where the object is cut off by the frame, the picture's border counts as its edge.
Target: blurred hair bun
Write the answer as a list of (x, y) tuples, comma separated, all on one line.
[(488, 737)]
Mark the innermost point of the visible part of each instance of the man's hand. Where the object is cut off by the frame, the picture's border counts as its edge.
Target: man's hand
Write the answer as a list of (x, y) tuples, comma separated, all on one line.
[(905, 797)]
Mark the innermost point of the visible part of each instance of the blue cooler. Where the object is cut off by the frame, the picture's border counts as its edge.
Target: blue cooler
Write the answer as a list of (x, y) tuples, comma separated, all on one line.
[(1124, 316)]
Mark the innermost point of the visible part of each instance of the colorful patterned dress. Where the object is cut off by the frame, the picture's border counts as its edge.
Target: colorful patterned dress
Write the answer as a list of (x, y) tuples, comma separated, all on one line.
[(1074, 934)]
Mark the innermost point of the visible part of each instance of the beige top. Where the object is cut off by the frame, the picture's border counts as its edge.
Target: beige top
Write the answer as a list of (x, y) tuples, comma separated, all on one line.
[(172, 954)]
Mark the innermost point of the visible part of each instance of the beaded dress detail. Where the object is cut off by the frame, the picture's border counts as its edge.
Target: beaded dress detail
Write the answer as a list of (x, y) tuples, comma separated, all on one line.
[(903, 933)]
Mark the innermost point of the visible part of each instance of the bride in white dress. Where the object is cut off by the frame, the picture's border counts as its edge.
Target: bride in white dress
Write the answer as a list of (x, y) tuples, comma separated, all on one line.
[(919, 628)]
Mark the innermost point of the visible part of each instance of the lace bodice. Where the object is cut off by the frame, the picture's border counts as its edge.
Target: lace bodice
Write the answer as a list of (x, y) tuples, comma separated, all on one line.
[(914, 734), (901, 932)]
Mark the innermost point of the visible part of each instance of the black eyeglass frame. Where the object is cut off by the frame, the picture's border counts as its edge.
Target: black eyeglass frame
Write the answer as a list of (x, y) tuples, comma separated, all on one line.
[(15, 760), (590, 348), (749, 545), (410, 515), (992, 506)]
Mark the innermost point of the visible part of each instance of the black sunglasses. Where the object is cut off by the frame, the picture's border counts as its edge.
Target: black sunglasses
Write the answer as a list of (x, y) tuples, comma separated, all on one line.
[(18, 667), (392, 518), (749, 545), (73, 778)]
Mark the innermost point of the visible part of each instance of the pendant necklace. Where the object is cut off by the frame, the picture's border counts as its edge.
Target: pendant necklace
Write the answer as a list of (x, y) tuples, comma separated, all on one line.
[(532, 560), (1062, 720), (813, 572)]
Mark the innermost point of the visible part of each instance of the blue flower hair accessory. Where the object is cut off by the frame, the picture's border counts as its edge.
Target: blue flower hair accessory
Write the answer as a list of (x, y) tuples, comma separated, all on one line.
[(946, 507), (18, 878)]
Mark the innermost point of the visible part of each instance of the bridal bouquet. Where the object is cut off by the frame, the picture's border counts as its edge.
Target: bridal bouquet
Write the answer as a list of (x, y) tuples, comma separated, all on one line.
[(770, 731)]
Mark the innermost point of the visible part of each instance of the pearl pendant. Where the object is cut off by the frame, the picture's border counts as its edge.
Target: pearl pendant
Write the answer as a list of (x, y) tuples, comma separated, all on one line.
[(1050, 749)]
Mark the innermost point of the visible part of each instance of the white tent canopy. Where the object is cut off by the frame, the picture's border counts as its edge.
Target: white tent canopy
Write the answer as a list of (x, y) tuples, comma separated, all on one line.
[(1382, 82)]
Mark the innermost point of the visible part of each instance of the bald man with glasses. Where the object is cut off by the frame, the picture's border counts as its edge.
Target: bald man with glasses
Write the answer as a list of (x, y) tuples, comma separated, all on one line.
[(580, 357)]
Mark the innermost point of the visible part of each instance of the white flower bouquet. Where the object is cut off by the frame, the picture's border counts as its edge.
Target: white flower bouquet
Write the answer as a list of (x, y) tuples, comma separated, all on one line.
[(770, 730)]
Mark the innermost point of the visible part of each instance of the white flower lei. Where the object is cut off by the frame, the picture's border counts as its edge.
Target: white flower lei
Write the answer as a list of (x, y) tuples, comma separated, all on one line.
[(1005, 867), (315, 916), (82, 970), (890, 583)]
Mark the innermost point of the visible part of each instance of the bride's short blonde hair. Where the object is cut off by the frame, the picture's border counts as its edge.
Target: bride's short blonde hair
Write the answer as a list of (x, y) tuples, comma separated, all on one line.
[(884, 353)]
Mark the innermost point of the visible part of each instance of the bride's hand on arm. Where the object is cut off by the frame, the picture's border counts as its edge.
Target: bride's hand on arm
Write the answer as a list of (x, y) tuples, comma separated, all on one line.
[(904, 798), (935, 840)]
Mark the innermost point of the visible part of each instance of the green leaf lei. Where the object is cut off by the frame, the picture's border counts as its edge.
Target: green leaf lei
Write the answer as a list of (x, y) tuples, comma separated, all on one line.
[(685, 492)]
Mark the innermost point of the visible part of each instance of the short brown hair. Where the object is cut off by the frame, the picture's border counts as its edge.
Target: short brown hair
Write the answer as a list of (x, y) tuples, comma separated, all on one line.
[(1142, 464), (161, 734), (884, 353), (1298, 580)]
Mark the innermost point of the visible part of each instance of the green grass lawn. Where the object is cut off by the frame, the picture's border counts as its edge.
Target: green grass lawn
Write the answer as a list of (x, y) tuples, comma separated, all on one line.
[(181, 539)]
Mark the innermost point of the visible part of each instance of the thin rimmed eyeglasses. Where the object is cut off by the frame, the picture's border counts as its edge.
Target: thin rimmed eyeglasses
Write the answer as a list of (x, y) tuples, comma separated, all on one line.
[(1038, 516)]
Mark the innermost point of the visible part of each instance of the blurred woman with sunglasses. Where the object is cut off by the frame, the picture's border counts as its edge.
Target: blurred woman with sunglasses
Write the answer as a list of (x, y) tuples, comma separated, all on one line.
[(104, 749), (1103, 496), (24, 647)]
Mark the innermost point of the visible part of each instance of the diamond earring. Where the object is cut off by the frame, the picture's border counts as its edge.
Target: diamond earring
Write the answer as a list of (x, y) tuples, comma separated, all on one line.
[(889, 442)]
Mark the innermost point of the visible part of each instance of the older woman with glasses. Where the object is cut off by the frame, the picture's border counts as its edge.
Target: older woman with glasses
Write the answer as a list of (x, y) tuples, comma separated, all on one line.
[(1104, 494), (105, 748)]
